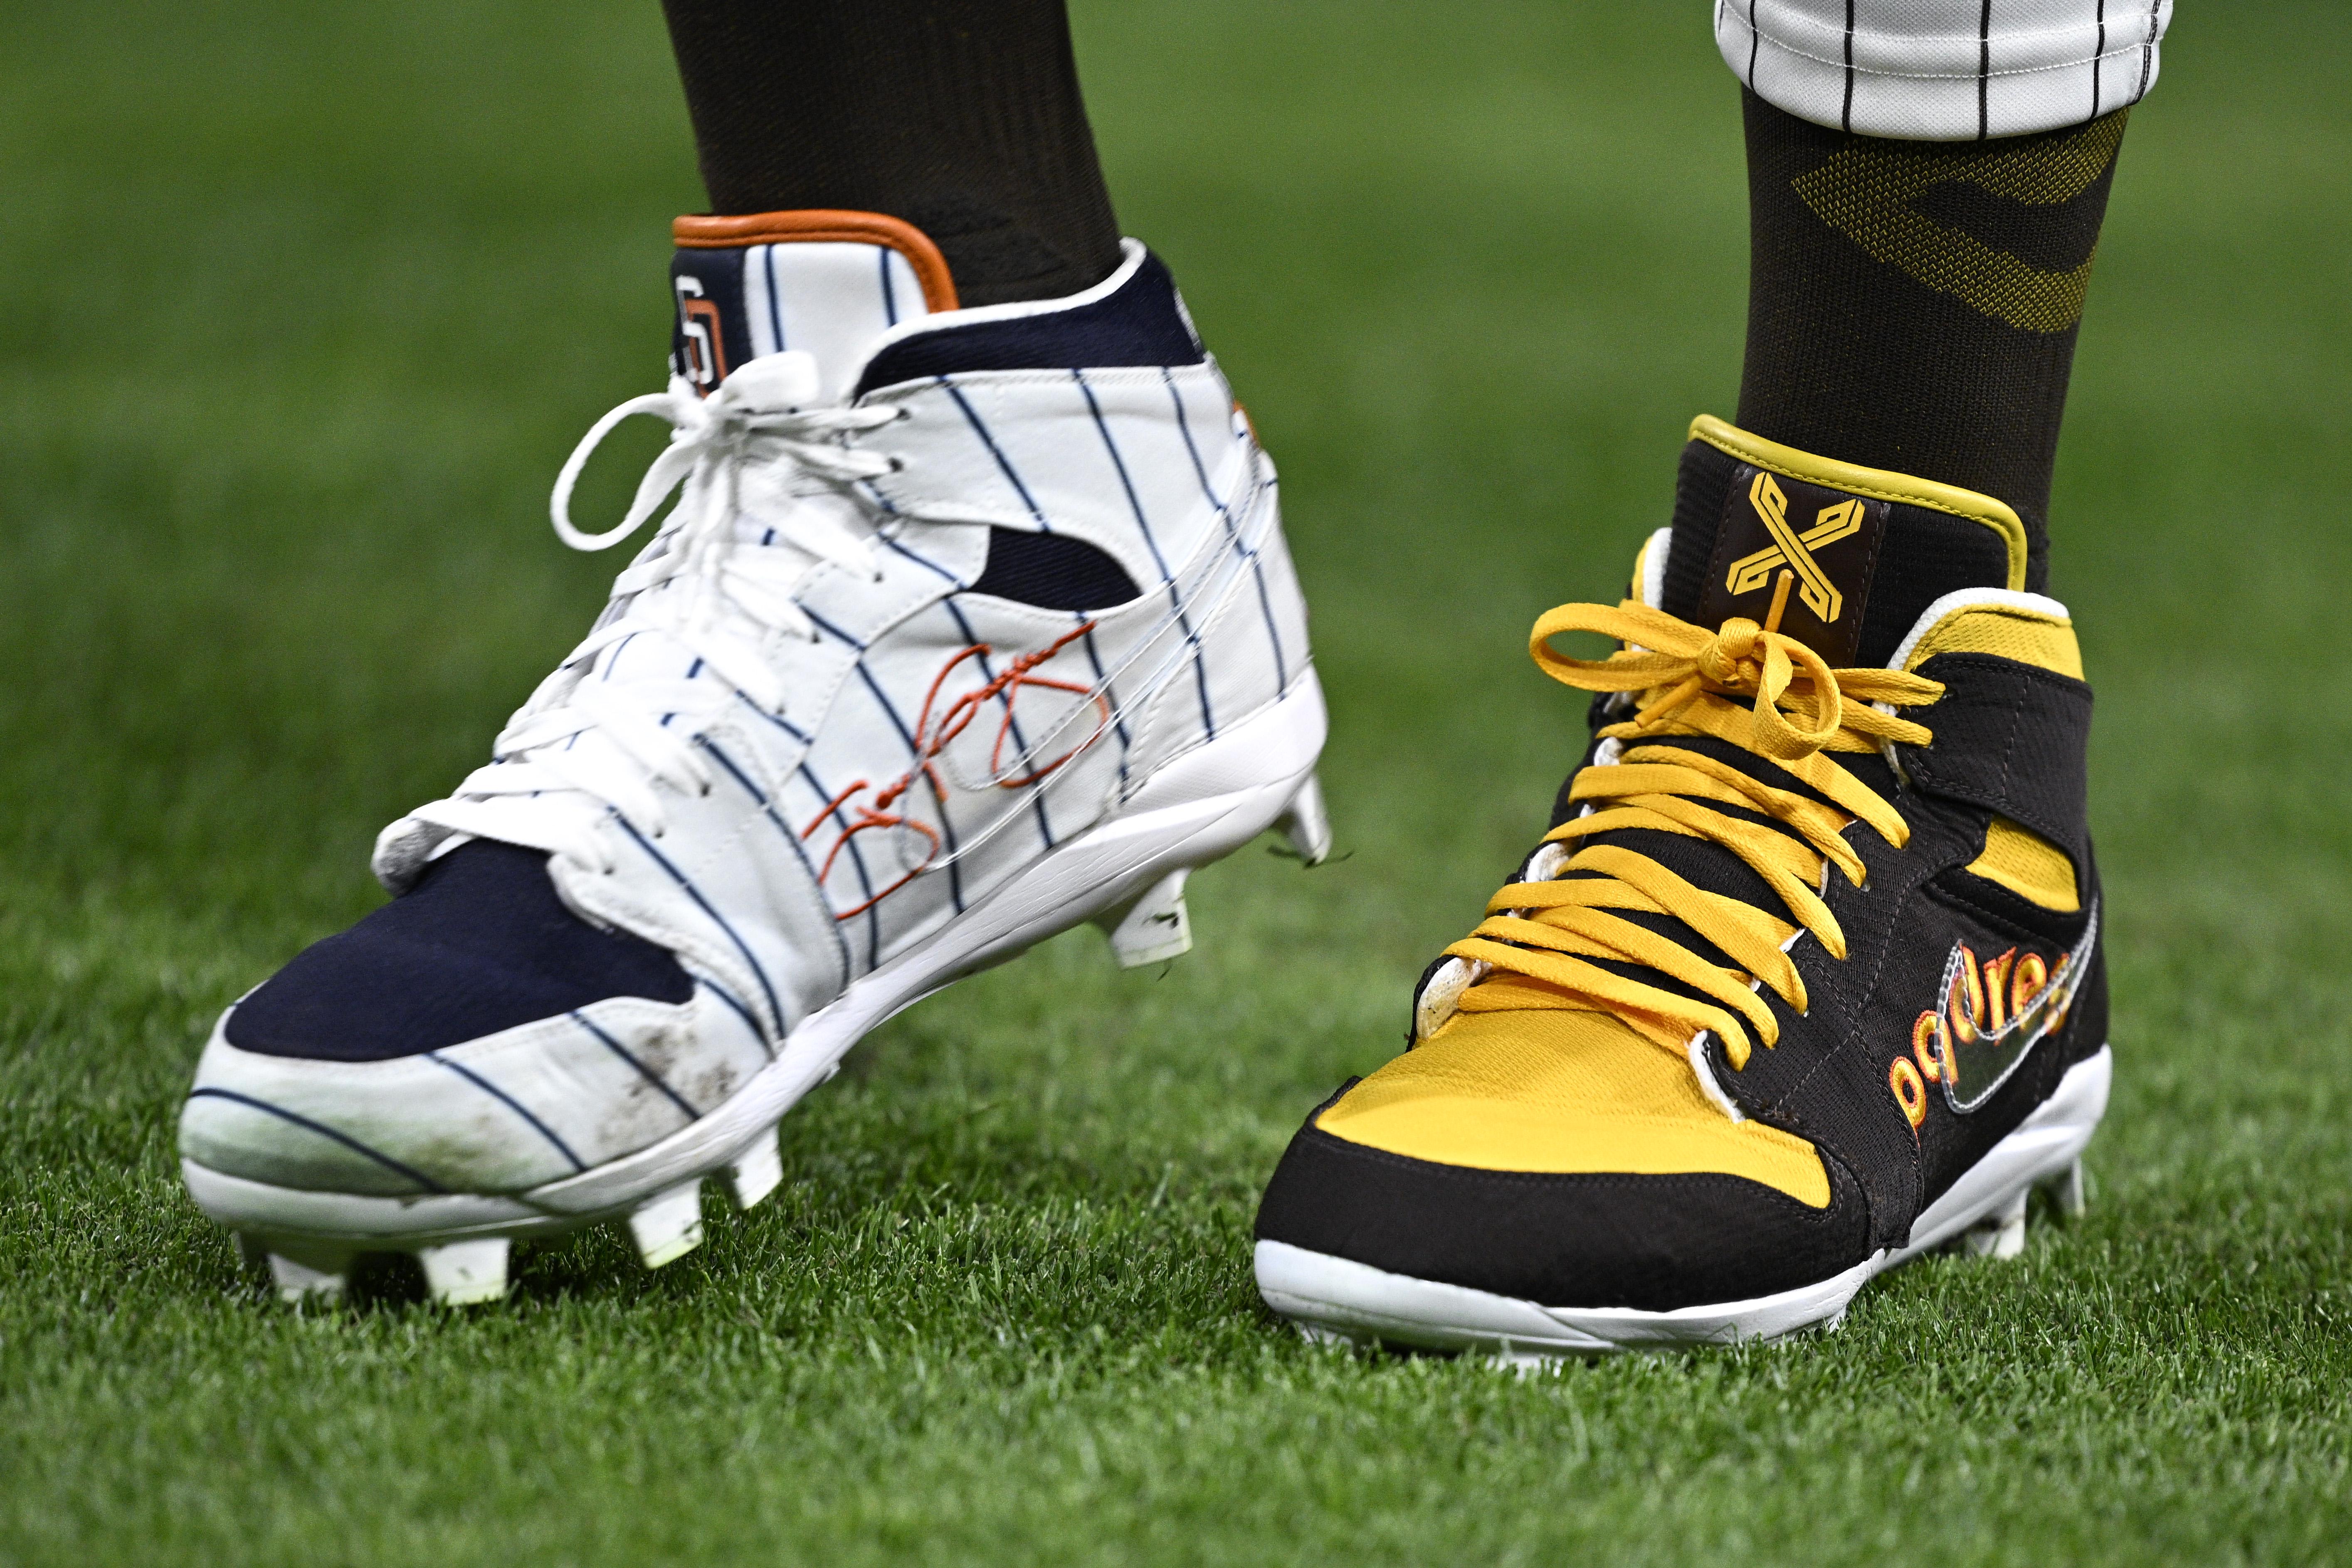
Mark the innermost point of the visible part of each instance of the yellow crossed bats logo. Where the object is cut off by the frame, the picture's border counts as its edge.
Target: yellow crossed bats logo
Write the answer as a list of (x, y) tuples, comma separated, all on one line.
[(1795, 550)]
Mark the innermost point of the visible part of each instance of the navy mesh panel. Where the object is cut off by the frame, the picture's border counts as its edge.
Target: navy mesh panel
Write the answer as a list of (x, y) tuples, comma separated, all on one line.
[(481, 943), (1140, 323), (1053, 571)]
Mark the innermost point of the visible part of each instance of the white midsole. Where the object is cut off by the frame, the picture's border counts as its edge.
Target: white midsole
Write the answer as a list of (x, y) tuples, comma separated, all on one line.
[(1357, 1300), (1198, 808)]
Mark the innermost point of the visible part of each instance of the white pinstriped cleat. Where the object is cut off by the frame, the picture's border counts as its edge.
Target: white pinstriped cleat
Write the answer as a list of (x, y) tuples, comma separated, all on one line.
[(968, 626)]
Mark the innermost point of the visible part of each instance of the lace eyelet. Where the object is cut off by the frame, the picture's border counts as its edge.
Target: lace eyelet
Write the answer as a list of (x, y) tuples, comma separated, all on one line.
[(897, 464)]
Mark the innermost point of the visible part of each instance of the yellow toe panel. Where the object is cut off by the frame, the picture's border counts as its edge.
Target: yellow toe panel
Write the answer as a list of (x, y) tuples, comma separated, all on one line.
[(1563, 1092)]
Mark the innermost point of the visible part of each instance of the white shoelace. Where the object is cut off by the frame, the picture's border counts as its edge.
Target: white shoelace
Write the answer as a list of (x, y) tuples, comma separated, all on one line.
[(750, 454)]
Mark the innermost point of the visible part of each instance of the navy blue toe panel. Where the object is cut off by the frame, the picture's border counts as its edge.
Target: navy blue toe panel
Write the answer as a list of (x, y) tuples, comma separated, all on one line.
[(480, 943)]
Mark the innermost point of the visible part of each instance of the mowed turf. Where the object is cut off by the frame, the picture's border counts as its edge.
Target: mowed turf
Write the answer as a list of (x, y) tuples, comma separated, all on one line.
[(300, 306)]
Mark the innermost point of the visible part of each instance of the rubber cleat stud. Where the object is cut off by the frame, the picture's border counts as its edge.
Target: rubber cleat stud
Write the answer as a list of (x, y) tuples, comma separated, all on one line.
[(310, 1275), (1306, 824), (2068, 1189), (2000, 1234), (465, 1273), (1152, 927), (252, 1251), (669, 1227), (758, 1170)]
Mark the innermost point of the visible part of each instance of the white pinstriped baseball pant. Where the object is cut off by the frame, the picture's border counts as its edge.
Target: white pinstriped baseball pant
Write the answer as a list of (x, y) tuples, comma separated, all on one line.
[(1944, 70)]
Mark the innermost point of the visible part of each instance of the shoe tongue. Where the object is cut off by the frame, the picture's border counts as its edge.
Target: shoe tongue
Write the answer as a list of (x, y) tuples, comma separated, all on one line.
[(827, 283), (1866, 551)]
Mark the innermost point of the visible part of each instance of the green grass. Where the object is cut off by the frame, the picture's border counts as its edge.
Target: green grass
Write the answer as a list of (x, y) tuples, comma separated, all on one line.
[(302, 305)]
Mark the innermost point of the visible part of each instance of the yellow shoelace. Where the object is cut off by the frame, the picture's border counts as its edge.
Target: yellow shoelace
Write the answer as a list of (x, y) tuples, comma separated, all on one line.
[(1538, 935)]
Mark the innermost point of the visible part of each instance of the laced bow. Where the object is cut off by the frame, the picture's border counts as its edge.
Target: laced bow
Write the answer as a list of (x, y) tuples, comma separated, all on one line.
[(1540, 933), (766, 495), (752, 441)]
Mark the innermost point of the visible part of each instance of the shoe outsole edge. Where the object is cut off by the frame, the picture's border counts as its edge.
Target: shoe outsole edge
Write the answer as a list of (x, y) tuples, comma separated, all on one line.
[(1983, 1212)]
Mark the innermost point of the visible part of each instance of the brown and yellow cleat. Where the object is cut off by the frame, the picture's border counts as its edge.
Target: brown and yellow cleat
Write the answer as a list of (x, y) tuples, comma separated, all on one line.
[(1804, 981)]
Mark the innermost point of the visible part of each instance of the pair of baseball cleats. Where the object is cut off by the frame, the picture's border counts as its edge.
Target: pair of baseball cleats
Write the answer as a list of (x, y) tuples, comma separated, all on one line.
[(969, 625)]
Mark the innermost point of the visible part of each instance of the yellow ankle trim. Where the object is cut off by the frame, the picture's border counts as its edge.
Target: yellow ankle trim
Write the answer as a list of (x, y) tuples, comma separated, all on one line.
[(1876, 483)]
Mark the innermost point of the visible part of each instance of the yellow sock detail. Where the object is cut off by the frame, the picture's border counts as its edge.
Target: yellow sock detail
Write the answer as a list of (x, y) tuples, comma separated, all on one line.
[(2029, 866), (1869, 192)]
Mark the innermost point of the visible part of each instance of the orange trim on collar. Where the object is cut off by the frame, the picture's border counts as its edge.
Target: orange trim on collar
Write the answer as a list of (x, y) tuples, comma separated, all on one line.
[(821, 223)]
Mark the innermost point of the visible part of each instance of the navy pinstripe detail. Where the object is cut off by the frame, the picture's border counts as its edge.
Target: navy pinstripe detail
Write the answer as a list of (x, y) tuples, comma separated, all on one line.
[(1118, 720), (1846, 118), (947, 828), (824, 625), (644, 1071), (1984, 73), (922, 560), (2099, 60), (511, 1103), (740, 1011), (1265, 606), (775, 1009), (981, 430), (890, 709), (1225, 516), (778, 719), (858, 864), (2146, 50), (1127, 484), (876, 496), (889, 295), (775, 309), (767, 810), (1199, 663), (613, 656), (1012, 722), (410, 1171)]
